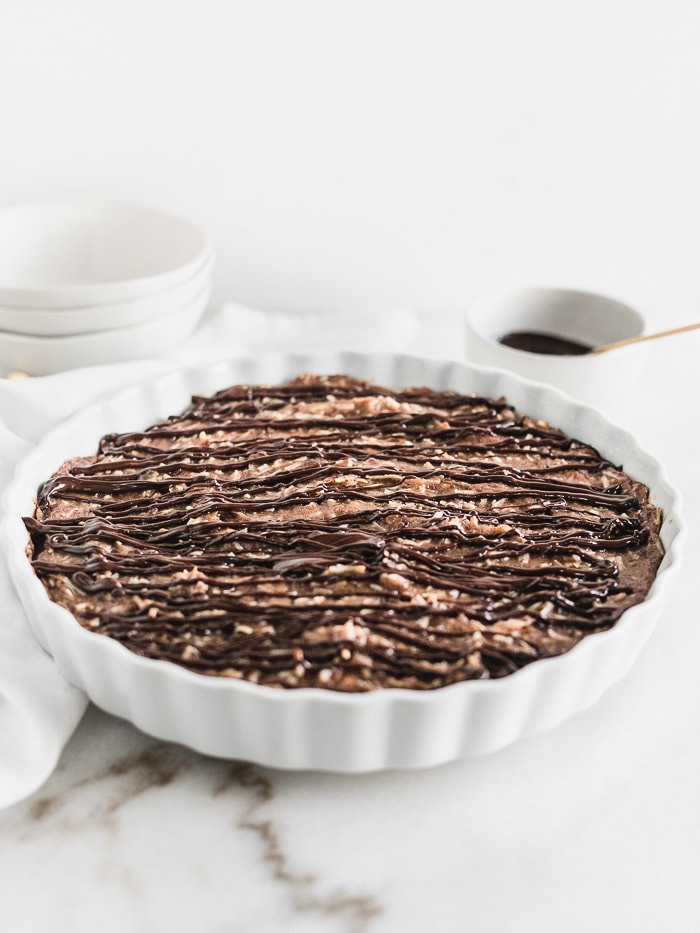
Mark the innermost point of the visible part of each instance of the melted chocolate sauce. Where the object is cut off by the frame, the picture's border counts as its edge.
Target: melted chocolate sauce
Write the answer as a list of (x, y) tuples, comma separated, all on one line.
[(544, 343), (329, 533)]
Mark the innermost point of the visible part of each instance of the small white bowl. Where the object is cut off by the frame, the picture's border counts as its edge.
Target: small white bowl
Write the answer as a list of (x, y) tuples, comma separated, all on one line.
[(62, 322), (40, 356), (584, 317), (78, 253)]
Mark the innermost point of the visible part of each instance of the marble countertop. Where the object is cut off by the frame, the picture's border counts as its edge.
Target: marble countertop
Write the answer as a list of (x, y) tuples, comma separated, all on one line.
[(594, 825)]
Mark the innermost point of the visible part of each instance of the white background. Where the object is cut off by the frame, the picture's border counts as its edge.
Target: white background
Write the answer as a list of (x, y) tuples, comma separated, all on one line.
[(374, 153), (356, 156)]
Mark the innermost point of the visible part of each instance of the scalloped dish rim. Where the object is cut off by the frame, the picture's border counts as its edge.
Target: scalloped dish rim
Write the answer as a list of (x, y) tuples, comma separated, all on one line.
[(311, 727)]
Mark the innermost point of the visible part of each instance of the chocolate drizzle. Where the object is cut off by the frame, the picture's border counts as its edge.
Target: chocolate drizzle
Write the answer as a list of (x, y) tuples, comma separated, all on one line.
[(330, 533)]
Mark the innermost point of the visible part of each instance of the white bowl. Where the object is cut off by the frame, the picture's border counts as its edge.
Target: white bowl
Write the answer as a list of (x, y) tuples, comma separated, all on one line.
[(312, 727), (39, 356), (61, 322), (598, 379), (79, 253)]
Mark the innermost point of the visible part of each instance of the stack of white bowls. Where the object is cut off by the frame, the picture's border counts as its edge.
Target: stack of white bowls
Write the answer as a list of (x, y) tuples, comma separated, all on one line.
[(91, 282)]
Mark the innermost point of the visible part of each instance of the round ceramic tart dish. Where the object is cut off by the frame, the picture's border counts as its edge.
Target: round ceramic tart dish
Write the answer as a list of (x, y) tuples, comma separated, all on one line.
[(341, 562)]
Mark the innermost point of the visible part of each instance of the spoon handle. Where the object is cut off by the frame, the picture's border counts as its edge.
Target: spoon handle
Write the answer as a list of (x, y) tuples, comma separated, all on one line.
[(623, 343)]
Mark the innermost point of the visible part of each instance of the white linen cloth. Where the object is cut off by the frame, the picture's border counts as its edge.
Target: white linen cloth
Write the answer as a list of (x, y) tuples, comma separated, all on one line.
[(39, 709)]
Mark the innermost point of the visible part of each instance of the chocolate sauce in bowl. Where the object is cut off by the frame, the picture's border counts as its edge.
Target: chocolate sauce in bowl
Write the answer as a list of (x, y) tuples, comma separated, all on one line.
[(548, 344)]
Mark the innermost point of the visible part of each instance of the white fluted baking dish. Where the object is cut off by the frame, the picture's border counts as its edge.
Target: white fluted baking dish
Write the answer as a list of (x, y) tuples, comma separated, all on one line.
[(312, 728)]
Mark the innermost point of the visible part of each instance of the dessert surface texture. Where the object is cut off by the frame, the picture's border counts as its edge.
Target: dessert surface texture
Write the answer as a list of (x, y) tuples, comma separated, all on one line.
[(332, 533)]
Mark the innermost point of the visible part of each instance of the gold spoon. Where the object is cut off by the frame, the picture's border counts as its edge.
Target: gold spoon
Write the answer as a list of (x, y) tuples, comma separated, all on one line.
[(624, 343)]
